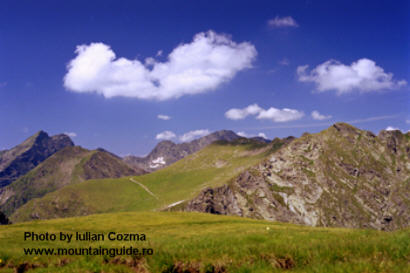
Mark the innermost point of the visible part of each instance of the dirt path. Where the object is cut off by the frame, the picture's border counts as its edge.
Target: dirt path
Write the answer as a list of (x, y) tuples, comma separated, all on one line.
[(174, 204), (144, 187)]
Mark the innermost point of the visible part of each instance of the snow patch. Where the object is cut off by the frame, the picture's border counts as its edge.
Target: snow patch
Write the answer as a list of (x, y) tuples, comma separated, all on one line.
[(156, 163)]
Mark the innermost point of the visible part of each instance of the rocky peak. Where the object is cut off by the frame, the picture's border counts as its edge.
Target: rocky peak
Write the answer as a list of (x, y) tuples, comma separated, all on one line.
[(391, 139), (27, 155), (165, 144), (227, 135), (40, 135), (342, 177), (344, 129), (62, 139), (167, 152), (384, 134)]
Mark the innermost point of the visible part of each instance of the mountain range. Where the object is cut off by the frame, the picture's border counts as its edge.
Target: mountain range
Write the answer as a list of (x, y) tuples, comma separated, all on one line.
[(43, 164), (167, 152), (340, 177), (71, 165)]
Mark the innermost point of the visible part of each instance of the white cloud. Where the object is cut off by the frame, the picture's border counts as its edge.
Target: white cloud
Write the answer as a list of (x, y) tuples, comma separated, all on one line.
[(70, 134), (408, 121), (282, 22), (363, 75), (243, 134), (166, 135), (197, 67), (280, 115), (163, 117), (274, 114), (194, 134), (391, 128), (262, 135), (318, 116), (159, 53), (236, 113)]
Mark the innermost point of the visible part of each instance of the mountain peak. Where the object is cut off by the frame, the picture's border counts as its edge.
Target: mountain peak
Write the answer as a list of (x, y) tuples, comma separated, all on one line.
[(165, 142), (25, 156), (344, 127), (168, 152), (224, 133), (40, 133)]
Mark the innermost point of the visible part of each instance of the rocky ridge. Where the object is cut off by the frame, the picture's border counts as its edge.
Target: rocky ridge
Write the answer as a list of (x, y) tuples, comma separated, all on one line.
[(340, 177), (70, 165), (167, 152), (27, 155)]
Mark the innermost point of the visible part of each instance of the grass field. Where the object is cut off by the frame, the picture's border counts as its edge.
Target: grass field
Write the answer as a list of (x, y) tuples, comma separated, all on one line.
[(193, 242), (213, 166)]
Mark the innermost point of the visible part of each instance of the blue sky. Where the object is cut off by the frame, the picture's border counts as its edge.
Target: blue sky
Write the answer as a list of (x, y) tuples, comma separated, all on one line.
[(249, 66)]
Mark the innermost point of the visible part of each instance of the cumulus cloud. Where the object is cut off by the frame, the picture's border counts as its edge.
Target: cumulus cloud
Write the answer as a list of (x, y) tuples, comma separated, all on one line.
[(243, 134), (194, 134), (278, 22), (318, 116), (262, 135), (70, 134), (166, 135), (196, 67), (274, 114), (163, 117), (280, 115), (236, 113), (391, 128), (363, 75)]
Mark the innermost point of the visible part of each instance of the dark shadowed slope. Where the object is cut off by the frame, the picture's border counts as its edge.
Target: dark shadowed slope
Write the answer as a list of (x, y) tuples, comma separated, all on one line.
[(68, 166), (27, 155)]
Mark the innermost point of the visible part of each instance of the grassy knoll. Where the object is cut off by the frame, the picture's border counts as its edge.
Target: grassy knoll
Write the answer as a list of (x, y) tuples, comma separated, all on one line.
[(213, 166), (209, 243)]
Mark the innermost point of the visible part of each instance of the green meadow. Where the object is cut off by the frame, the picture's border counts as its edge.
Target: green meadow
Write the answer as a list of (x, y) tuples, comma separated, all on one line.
[(213, 166), (194, 242)]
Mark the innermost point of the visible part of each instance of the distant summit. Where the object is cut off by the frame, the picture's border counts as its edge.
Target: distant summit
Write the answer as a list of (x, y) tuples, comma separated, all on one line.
[(27, 155), (167, 152)]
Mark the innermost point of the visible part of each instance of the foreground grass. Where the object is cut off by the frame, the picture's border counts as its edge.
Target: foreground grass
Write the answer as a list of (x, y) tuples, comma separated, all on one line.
[(208, 243)]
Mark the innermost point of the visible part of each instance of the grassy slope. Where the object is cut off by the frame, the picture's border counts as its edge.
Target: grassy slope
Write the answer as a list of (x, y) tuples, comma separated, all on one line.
[(53, 173), (69, 166), (200, 241), (212, 166)]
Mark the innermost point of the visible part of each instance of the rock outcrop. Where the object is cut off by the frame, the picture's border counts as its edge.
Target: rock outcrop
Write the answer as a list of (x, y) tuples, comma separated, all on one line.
[(340, 177), (3, 219), (27, 155)]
